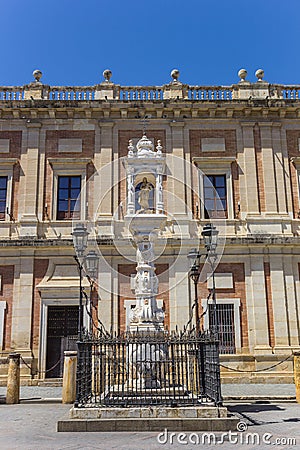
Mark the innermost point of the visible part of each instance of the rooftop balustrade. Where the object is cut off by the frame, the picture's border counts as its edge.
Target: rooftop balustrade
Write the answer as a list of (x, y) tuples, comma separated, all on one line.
[(106, 90)]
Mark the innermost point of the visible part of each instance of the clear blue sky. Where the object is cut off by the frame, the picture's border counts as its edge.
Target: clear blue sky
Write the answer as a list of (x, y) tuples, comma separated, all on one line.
[(73, 41)]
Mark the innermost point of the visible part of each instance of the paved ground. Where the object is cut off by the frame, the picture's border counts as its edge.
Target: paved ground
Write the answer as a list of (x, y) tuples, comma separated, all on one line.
[(232, 390), (33, 427)]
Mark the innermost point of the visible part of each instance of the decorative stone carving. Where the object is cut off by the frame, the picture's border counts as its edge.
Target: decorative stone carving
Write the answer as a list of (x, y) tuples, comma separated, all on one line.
[(130, 149), (145, 148), (259, 74), (175, 75), (144, 194), (242, 73), (107, 75), (158, 148), (37, 74)]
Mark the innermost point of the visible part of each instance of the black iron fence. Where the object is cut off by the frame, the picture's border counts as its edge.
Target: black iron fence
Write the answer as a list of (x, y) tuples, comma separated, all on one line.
[(139, 369)]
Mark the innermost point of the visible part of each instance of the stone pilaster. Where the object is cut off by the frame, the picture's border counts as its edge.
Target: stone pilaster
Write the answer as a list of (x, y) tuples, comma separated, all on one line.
[(268, 168), (280, 307), (256, 305), (292, 307), (247, 163), (103, 179), (22, 307), (29, 191)]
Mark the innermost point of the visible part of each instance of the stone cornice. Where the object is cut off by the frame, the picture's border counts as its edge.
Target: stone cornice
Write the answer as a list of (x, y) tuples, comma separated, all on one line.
[(258, 240)]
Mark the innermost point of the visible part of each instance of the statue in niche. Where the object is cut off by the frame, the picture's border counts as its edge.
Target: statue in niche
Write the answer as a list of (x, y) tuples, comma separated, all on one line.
[(144, 193)]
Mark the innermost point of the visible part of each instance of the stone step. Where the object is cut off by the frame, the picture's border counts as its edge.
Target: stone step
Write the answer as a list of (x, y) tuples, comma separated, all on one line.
[(148, 424)]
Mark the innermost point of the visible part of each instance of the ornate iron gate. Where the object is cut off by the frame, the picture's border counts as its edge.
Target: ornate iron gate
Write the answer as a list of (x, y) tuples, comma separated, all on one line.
[(136, 369)]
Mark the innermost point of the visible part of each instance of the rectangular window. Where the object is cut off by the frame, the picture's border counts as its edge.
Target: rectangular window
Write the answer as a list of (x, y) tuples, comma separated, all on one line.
[(225, 325), (3, 197), (68, 201), (215, 196)]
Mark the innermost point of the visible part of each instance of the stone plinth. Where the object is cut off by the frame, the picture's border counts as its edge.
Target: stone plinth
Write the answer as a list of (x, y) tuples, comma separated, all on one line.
[(202, 418)]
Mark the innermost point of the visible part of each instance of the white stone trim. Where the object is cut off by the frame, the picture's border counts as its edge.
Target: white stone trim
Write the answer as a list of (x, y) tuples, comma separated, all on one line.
[(69, 145), (222, 280), (213, 144), (6, 170), (236, 312), (4, 145), (59, 291), (216, 166), (69, 167), (3, 306)]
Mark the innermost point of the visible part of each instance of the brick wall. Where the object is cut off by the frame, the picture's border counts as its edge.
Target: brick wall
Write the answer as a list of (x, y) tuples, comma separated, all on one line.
[(52, 139), (228, 135), (292, 137), (39, 271), (15, 147), (238, 291), (231, 150), (6, 294)]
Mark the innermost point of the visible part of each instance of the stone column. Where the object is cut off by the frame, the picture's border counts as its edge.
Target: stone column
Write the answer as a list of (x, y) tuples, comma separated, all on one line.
[(22, 309), (281, 331), (29, 188), (242, 175), (13, 379), (268, 168), (106, 292), (256, 305), (180, 292), (286, 169), (159, 193), (248, 166), (146, 314), (280, 178), (130, 191), (291, 300), (69, 377), (103, 180), (178, 169)]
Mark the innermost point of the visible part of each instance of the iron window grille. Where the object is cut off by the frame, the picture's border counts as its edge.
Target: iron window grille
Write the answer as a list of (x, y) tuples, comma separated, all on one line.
[(225, 326), (3, 196)]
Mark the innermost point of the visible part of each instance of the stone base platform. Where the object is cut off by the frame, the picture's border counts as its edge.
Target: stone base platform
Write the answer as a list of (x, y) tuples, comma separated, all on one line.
[(203, 418)]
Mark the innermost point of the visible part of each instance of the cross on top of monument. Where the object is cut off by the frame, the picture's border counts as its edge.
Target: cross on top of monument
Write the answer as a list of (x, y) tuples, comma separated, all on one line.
[(145, 122)]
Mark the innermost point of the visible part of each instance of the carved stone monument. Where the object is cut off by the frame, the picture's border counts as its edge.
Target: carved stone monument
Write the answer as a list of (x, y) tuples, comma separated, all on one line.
[(145, 218)]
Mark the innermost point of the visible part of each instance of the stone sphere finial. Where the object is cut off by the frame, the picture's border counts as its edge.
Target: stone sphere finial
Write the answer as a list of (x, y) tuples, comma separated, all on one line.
[(175, 74), (37, 74), (107, 75), (242, 73), (259, 74)]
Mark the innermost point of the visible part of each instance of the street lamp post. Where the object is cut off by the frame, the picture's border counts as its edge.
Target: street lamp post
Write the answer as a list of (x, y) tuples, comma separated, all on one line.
[(194, 274), (80, 239), (210, 236), (92, 263)]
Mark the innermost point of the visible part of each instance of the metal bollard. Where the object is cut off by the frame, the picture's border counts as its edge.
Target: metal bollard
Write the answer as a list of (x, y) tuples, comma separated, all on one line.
[(13, 379), (297, 374), (69, 377)]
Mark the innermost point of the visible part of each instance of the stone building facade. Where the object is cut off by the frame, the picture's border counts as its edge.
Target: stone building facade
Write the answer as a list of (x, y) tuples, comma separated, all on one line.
[(59, 142)]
